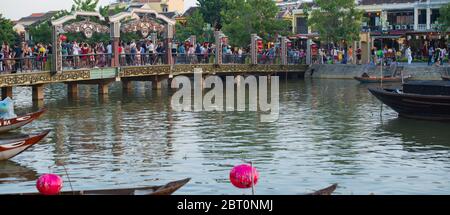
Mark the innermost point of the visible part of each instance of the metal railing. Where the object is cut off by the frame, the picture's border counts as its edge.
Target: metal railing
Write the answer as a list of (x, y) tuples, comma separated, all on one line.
[(86, 61), (25, 64)]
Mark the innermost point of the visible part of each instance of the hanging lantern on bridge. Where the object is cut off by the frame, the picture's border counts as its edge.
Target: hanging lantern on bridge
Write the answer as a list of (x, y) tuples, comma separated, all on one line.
[(63, 37)]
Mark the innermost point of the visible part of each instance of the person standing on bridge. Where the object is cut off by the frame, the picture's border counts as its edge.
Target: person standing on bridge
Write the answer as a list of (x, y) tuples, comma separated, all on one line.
[(109, 53), (151, 51), (408, 54)]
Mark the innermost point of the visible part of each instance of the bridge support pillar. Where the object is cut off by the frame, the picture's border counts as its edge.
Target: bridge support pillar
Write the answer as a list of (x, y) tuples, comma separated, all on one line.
[(157, 83), (38, 92), (126, 86), (103, 88), (7, 92), (72, 90)]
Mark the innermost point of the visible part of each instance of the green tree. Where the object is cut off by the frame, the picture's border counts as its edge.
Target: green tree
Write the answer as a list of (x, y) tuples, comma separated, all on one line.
[(337, 20), (84, 5), (210, 10), (245, 17), (444, 18), (7, 34), (194, 26), (107, 11)]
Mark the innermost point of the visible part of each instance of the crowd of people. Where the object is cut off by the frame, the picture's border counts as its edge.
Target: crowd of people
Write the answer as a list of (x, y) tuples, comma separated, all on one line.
[(386, 56), (23, 57)]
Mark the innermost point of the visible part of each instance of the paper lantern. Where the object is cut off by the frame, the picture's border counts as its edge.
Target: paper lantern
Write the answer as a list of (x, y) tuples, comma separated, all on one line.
[(241, 176), (63, 38), (49, 184)]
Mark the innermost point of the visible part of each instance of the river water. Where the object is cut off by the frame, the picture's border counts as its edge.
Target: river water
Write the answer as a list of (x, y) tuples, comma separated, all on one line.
[(329, 131)]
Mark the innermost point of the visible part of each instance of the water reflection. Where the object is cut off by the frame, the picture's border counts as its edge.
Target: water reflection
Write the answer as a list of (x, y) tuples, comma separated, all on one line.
[(431, 135), (12, 172), (329, 131)]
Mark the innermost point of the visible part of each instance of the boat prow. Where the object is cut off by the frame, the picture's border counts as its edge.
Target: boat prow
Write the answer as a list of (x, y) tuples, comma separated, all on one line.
[(416, 106), (15, 123), (326, 191), (13, 147)]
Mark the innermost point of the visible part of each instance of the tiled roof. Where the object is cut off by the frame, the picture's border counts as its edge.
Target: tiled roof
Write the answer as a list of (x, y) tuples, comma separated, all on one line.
[(190, 11)]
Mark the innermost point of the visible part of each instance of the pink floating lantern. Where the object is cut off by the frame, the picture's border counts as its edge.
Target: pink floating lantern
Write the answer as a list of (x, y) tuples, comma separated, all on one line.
[(241, 176), (49, 184)]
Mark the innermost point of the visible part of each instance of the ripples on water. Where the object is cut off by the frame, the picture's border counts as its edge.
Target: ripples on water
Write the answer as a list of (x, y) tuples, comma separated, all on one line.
[(329, 131)]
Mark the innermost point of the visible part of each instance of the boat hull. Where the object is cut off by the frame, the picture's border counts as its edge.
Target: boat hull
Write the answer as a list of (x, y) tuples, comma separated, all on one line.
[(167, 189), (12, 148), (368, 80), (15, 123), (416, 106), (445, 78)]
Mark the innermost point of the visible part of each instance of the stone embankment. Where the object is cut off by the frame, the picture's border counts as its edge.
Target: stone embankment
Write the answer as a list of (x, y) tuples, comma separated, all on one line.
[(341, 71)]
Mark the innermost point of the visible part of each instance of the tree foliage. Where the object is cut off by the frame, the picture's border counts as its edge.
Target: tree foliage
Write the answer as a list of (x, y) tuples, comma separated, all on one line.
[(239, 19), (194, 26), (444, 18), (7, 34), (84, 5), (210, 10), (245, 17), (337, 20)]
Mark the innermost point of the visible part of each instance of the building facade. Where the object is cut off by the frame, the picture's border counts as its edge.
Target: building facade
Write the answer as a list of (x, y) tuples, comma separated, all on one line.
[(389, 23)]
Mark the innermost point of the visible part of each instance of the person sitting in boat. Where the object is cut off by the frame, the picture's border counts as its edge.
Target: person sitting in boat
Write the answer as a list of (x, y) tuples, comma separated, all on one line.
[(365, 75), (7, 109)]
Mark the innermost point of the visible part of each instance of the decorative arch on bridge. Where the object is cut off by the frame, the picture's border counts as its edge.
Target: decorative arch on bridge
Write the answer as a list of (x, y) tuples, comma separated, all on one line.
[(87, 27), (142, 21)]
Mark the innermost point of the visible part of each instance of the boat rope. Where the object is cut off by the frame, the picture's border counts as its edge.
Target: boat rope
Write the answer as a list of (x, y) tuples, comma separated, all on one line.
[(68, 177), (251, 175)]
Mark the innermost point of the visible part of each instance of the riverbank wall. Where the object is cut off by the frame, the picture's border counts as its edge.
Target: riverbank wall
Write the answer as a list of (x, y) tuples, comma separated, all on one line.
[(346, 71)]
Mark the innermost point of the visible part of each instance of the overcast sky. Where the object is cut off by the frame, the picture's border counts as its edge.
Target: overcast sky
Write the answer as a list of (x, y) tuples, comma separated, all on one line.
[(16, 9)]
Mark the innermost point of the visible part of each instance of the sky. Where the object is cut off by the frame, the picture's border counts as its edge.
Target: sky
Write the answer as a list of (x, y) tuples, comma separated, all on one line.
[(16, 9)]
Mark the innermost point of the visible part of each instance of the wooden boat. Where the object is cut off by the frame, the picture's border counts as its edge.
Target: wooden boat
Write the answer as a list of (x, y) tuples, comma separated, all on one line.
[(373, 79), (445, 78), (325, 192), (413, 105), (167, 189), (12, 147), (15, 123)]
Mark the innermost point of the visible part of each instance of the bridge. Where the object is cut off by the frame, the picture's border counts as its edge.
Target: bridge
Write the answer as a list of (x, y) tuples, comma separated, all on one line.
[(127, 68)]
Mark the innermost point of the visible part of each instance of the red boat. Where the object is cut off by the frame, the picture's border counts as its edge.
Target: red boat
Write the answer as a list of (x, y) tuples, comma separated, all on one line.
[(12, 147), (15, 123)]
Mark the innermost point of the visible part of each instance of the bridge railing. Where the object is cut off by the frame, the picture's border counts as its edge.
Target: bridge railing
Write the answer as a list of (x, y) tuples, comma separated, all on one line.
[(70, 62), (25, 64), (269, 59)]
